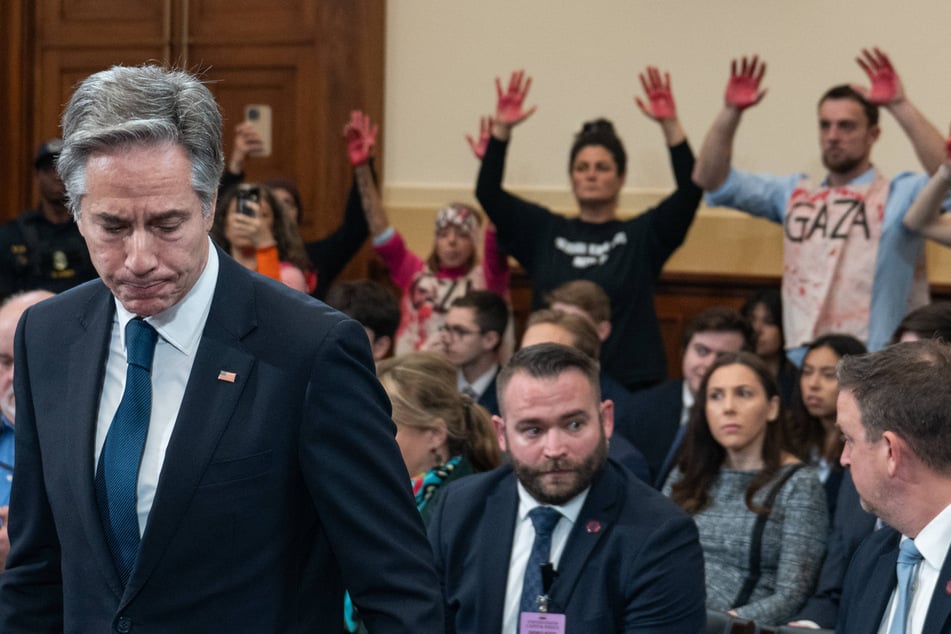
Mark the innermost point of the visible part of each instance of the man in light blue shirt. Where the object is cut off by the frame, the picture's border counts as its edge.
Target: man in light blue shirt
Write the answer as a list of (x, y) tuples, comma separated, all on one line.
[(850, 266)]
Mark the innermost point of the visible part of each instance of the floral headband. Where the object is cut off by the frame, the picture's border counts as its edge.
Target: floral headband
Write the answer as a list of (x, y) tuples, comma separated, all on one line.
[(463, 218)]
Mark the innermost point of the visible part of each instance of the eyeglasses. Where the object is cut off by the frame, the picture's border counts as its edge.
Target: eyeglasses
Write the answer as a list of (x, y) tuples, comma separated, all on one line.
[(457, 332)]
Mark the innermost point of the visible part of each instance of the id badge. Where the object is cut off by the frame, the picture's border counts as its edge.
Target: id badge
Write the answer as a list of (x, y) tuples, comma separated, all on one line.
[(541, 623)]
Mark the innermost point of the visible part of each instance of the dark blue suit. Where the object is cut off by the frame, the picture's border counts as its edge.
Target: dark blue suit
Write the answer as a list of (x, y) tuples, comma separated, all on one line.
[(632, 562), (254, 526), (489, 399), (871, 580), (850, 525), (656, 420)]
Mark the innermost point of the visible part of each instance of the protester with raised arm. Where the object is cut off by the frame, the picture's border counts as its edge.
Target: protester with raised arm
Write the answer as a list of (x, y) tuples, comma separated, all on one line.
[(624, 257), (849, 264)]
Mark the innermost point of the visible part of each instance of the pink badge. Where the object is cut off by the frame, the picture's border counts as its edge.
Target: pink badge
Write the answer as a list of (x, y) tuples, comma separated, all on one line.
[(593, 526), (947, 587), (541, 623)]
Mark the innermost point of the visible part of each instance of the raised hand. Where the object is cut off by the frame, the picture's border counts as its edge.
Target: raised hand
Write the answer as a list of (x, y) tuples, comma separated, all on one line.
[(478, 145), (886, 85), (246, 141), (361, 138), (660, 104), (947, 149), (509, 109), (743, 91)]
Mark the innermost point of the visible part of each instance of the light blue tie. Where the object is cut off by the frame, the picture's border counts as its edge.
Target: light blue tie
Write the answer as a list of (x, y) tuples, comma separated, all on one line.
[(908, 558), (544, 519), (118, 470)]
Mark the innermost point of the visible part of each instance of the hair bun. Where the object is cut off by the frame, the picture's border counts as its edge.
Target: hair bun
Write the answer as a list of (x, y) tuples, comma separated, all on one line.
[(597, 127)]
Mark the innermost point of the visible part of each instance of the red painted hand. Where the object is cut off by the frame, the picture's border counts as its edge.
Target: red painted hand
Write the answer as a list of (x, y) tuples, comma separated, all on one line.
[(743, 91), (661, 101), (361, 138), (478, 145), (886, 86)]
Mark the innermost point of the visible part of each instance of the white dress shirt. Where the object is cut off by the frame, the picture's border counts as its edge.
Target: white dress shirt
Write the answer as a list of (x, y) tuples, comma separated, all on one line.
[(933, 543), (522, 548), (179, 329)]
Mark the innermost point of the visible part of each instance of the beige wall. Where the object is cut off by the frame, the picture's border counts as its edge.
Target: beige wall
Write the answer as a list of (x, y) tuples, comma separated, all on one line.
[(442, 57)]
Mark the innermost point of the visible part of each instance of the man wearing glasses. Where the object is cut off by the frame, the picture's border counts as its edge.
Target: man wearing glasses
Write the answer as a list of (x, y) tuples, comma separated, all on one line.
[(472, 338)]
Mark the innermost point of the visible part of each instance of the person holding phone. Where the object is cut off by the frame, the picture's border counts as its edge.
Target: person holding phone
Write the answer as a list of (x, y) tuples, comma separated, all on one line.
[(252, 227)]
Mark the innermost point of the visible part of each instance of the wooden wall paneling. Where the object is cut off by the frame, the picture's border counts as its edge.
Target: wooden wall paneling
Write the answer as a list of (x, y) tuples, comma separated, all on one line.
[(252, 22), (103, 23), (16, 151)]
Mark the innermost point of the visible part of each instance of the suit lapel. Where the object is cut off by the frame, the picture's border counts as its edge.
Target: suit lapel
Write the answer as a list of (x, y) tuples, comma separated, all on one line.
[(206, 410), (882, 581), (83, 390), (598, 516), (939, 613), (501, 508)]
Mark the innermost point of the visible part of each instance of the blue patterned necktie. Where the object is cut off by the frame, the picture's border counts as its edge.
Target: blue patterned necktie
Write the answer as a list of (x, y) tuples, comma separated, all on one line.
[(544, 519), (908, 558), (117, 473)]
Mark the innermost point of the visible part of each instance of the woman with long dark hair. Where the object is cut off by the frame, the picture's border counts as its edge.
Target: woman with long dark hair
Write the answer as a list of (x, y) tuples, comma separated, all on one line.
[(760, 512)]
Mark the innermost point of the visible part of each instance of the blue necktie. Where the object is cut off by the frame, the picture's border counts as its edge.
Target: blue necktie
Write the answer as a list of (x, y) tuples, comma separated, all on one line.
[(543, 519), (117, 473), (908, 558)]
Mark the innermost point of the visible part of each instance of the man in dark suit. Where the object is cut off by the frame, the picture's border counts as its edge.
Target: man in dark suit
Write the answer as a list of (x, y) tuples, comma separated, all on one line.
[(894, 411), (560, 532), (234, 480), (472, 337), (660, 413)]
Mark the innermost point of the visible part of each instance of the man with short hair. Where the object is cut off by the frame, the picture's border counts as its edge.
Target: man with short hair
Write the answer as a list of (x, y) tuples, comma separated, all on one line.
[(374, 306), (894, 411), (571, 329), (849, 264), (661, 412), (10, 312), (42, 248), (561, 534), (472, 337), (587, 299), (199, 448)]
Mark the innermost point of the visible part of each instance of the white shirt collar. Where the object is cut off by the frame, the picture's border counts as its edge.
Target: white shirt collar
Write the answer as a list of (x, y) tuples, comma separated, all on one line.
[(935, 538), (687, 399), (179, 324)]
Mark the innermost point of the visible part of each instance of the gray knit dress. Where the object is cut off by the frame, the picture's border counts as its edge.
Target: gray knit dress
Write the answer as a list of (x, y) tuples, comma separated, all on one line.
[(793, 546)]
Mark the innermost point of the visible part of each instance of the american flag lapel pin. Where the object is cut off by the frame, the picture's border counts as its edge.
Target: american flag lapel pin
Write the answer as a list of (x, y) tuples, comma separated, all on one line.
[(227, 377)]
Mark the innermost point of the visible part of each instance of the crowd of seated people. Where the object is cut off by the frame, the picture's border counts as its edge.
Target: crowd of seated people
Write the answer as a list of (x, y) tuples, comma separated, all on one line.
[(744, 452)]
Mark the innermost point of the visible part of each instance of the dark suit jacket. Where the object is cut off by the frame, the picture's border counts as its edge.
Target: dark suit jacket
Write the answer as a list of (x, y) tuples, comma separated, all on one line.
[(632, 562), (656, 420), (489, 399), (871, 580), (271, 496), (850, 525)]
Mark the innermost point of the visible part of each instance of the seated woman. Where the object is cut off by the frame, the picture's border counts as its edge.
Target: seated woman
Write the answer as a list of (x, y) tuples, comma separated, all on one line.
[(443, 435), (811, 433), (764, 311), (760, 512), (255, 231), (623, 256), (429, 286)]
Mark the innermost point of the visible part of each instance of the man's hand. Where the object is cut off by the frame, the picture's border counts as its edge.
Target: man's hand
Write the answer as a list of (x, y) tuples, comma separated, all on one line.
[(660, 104), (743, 91), (886, 86), (479, 145), (361, 138), (4, 537), (246, 140), (509, 110)]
